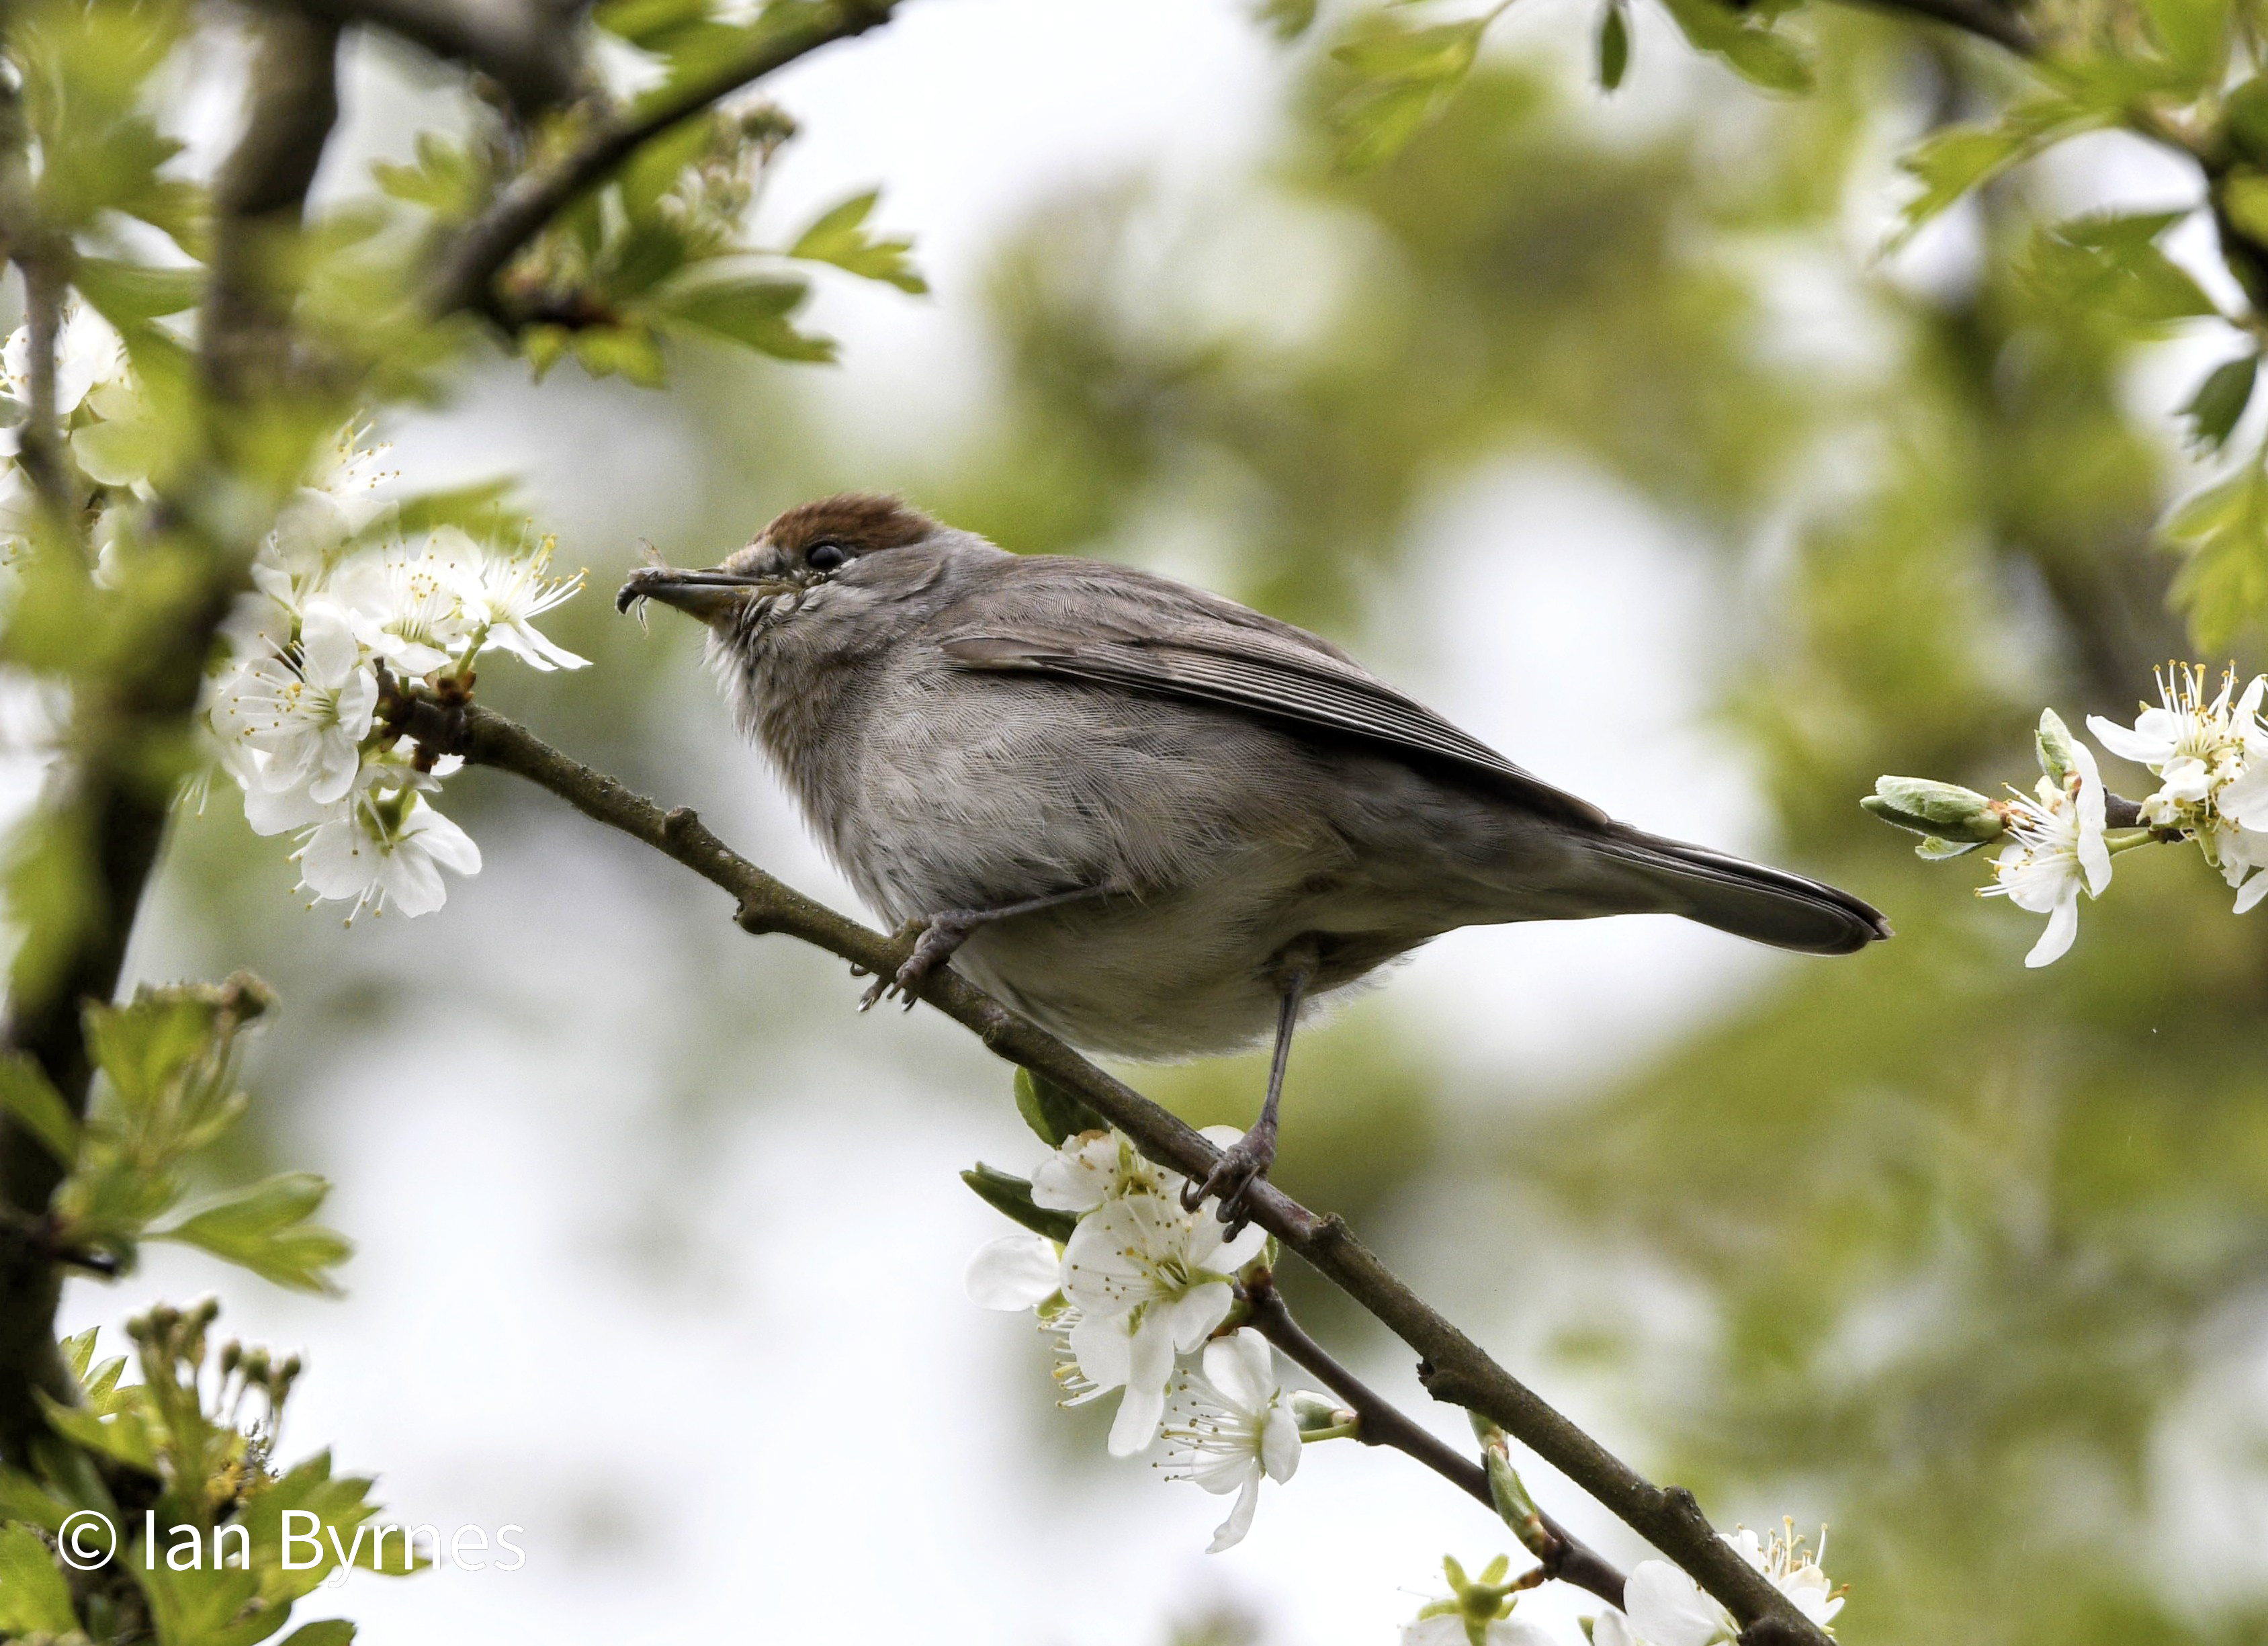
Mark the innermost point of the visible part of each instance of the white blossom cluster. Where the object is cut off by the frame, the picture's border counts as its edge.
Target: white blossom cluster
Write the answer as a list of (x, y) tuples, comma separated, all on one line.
[(100, 411), (1661, 1606), (2208, 751), (339, 599), (1139, 1284)]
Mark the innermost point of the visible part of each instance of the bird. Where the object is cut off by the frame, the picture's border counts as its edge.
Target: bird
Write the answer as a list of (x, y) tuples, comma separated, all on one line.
[(1156, 822)]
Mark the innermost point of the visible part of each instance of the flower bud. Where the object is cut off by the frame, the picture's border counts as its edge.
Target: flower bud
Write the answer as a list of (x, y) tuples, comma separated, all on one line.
[(2053, 742), (1945, 811), (1316, 1414)]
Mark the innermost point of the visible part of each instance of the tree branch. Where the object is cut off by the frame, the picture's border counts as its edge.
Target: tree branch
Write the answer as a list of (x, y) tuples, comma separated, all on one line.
[(1986, 19), (526, 47), (469, 266), (1380, 1422), (1452, 1365), (107, 799)]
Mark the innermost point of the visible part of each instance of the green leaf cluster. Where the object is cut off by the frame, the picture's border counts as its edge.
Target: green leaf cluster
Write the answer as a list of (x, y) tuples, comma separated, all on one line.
[(186, 1451), (169, 1093)]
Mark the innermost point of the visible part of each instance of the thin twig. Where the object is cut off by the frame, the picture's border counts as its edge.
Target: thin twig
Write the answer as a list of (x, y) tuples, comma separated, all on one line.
[(1453, 1367), (1380, 1422), (468, 265)]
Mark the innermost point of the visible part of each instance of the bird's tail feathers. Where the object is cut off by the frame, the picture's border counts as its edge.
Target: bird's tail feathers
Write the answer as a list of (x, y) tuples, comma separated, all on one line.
[(1767, 906)]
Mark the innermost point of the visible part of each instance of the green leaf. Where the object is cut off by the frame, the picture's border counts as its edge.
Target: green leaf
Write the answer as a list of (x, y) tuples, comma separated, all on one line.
[(1011, 1197), (2193, 34), (1444, 51), (446, 178), (123, 1435), (34, 1599), (23, 1498), (1750, 49), (839, 237), (28, 1098), (1051, 1110), (2224, 531), (1958, 158), (1934, 849), (265, 1228), (1285, 19), (1407, 76), (324, 1632), (632, 350), (131, 294), (753, 311), (2108, 267), (2244, 115), (1614, 46), (2218, 406)]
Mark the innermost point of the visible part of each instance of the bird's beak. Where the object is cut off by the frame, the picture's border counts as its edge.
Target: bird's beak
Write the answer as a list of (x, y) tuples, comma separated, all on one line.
[(703, 594)]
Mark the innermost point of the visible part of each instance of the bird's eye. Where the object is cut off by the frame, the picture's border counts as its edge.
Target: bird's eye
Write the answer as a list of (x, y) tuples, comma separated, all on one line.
[(827, 557)]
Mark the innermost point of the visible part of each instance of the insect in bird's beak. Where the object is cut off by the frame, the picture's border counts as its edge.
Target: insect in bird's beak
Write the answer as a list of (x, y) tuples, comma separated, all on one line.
[(702, 594)]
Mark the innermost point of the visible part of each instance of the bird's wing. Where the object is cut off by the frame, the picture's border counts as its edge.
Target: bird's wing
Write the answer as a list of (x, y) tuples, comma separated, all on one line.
[(1263, 671)]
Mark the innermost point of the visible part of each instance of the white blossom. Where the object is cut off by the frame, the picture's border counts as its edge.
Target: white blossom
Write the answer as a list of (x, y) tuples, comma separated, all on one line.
[(1092, 1167), (1226, 1428), (87, 352), (2194, 746), (501, 595), (1663, 1606), (406, 605), (2056, 850), (307, 711), (1150, 1281), (377, 849)]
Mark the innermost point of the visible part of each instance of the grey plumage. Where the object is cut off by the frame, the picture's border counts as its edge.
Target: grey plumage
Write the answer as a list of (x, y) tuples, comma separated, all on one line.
[(967, 728)]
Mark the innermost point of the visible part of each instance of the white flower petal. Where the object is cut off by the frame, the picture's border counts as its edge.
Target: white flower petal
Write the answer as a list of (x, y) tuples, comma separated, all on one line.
[(1014, 1271), (1443, 1628), (1666, 1608), (1231, 1531), (1280, 1446), (1243, 1368), (2063, 927), (1190, 1319), (1103, 1344), (1143, 1405)]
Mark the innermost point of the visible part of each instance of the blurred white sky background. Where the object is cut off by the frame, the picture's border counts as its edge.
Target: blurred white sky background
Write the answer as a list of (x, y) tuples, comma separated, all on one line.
[(735, 1391)]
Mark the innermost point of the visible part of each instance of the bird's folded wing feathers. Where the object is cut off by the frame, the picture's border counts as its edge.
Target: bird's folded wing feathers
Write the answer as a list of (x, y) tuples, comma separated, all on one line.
[(1265, 674)]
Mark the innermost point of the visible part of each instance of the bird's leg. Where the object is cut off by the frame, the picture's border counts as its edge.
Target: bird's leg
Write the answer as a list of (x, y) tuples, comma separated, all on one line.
[(1247, 1159), (943, 932)]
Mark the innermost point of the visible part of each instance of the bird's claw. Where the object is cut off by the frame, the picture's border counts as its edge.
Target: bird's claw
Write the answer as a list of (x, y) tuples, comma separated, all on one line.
[(934, 942), (1241, 1164)]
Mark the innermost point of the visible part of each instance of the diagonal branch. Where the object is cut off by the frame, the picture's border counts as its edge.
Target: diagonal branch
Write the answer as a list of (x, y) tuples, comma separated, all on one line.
[(470, 264), (1453, 1367), (1380, 1422)]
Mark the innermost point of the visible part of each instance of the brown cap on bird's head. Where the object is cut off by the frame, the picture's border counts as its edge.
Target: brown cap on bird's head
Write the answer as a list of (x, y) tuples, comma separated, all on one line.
[(784, 556), (861, 521)]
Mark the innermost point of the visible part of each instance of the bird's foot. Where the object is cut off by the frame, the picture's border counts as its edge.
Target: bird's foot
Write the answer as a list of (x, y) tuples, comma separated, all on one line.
[(935, 939), (1241, 1164)]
